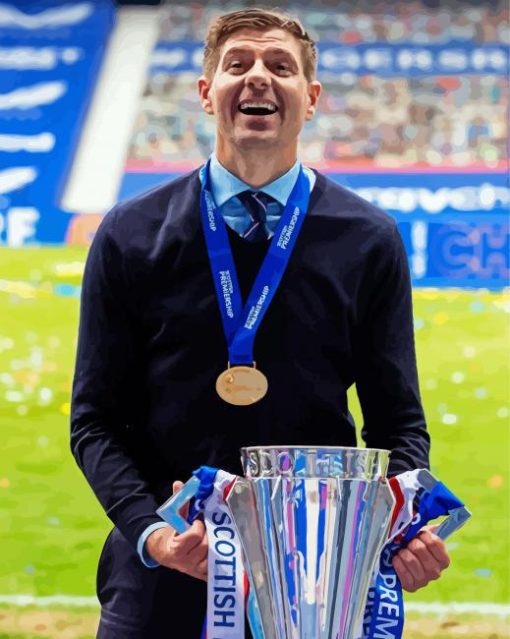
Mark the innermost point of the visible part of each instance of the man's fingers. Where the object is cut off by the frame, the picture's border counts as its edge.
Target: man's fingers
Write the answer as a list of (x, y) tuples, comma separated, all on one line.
[(200, 552), (202, 567), (422, 561), (199, 569), (187, 541), (435, 546), (403, 573), (186, 552), (195, 564), (413, 565), (200, 549), (430, 565)]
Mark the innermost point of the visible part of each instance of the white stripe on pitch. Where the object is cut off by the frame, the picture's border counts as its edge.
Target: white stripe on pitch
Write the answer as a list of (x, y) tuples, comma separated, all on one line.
[(439, 609), (459, 608), (56, 600)]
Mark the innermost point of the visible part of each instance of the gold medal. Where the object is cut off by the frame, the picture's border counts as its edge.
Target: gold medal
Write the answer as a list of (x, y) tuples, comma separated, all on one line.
[(241, 385)]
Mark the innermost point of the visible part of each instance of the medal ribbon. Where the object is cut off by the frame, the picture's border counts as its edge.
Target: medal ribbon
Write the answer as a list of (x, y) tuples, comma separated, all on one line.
[(415, 507), (241, 324)]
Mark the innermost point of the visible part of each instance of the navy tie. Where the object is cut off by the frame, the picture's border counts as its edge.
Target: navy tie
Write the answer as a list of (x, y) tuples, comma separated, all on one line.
[(256, 204)]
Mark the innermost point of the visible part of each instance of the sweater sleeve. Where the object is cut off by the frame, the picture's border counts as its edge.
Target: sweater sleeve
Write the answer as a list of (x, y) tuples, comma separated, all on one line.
[(103, 387), (385, 361)]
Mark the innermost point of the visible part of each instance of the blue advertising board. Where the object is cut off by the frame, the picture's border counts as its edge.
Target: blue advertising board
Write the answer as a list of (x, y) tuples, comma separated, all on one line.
[(50, 54), (455, 227)]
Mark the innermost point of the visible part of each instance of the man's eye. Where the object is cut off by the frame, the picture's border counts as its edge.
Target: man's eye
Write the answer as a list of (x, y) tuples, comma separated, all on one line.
[(282, 67), (235, 64)]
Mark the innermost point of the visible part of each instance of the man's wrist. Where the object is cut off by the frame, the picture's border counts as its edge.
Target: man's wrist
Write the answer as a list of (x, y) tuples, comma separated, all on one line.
[(141, 546)]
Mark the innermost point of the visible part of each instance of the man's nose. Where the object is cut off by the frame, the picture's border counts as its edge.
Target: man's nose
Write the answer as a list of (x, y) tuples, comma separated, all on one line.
[(258, 76)]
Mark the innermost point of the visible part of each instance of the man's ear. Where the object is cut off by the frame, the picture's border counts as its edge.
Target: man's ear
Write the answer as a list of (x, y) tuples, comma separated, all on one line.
[(204, 87), (314, 91)]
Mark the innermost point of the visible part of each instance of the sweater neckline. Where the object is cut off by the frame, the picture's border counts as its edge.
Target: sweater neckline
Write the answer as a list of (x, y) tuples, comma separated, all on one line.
[(315, 196)]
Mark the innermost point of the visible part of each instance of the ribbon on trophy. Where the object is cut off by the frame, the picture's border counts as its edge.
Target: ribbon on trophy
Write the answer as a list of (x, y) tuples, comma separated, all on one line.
[(227, 585), (419, 499)]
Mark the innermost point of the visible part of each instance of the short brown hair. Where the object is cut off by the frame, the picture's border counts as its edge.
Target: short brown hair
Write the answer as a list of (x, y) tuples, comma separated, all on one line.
[(259, 19)]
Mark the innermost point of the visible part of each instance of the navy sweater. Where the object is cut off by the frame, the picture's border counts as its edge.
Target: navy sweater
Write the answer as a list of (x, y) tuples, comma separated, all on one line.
[(151, 344)]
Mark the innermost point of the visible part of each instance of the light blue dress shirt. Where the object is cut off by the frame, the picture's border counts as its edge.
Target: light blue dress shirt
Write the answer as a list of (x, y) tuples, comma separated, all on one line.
[(225, 187)]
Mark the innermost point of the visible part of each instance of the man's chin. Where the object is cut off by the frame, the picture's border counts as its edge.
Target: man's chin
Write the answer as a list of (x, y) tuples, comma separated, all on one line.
[(257, 139)]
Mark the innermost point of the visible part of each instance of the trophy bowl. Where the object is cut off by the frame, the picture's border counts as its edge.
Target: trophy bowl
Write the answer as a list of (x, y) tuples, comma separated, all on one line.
[(312, 522)]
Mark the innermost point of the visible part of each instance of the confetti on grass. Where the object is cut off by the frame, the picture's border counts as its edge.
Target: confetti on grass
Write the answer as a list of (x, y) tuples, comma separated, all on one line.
[(477, 306), (65, 409), (14, 396), (6, 343), (53, 521), (69, 269), (469, 351), (483, 572), (496, 481)]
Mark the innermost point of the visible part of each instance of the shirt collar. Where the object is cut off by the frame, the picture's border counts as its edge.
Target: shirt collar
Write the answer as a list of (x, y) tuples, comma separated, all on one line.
[(224, 185)]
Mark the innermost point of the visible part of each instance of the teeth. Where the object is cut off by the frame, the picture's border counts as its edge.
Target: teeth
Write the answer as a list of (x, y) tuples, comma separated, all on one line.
[(258, 105)]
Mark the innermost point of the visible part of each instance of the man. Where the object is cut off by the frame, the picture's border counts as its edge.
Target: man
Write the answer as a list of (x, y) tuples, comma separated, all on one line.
[(150, 398)]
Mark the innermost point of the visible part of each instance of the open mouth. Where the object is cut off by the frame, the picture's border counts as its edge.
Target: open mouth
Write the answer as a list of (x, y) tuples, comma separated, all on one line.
[(257, 107)]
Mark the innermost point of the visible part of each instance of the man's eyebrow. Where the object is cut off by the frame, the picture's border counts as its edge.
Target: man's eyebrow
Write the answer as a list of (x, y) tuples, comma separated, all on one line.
[(235, 51), (278, 51), (271, 50)]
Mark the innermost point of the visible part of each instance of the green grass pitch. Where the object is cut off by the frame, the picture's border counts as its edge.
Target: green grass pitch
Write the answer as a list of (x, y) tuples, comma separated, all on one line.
[(51, 526)]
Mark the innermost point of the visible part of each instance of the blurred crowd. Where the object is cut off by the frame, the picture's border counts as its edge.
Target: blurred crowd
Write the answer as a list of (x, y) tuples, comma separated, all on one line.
[(383, 121), (356, 21), (386, 122)]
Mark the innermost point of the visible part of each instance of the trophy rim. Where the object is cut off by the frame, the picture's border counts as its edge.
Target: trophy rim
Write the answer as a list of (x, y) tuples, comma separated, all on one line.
[(320, 447)]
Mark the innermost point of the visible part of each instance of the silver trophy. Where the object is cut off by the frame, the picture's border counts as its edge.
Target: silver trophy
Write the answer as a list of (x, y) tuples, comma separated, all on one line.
[(312, 523)]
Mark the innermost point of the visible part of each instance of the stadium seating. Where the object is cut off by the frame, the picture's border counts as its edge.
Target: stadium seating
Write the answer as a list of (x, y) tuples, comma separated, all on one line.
[(412, 117)]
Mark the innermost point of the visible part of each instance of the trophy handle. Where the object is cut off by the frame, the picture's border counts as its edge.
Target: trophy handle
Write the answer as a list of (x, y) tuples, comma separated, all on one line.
[(456, 518), (169, 511)]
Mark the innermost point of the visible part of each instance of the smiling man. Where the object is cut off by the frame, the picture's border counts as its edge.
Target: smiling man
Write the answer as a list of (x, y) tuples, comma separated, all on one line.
[(251, 258), (260, 86)]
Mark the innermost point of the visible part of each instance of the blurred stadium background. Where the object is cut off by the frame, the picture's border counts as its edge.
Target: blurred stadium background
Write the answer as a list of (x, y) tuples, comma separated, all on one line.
[(98, 102)]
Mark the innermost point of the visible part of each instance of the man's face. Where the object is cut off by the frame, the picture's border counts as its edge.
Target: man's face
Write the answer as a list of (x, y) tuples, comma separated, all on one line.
[(259, 94)]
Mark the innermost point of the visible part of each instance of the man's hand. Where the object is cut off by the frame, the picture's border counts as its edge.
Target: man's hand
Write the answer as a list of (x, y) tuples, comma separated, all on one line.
[(422, 560), (186, 552)]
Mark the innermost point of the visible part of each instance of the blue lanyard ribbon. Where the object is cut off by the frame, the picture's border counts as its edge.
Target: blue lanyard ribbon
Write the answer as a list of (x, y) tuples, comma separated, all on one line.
[(241, 324)]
